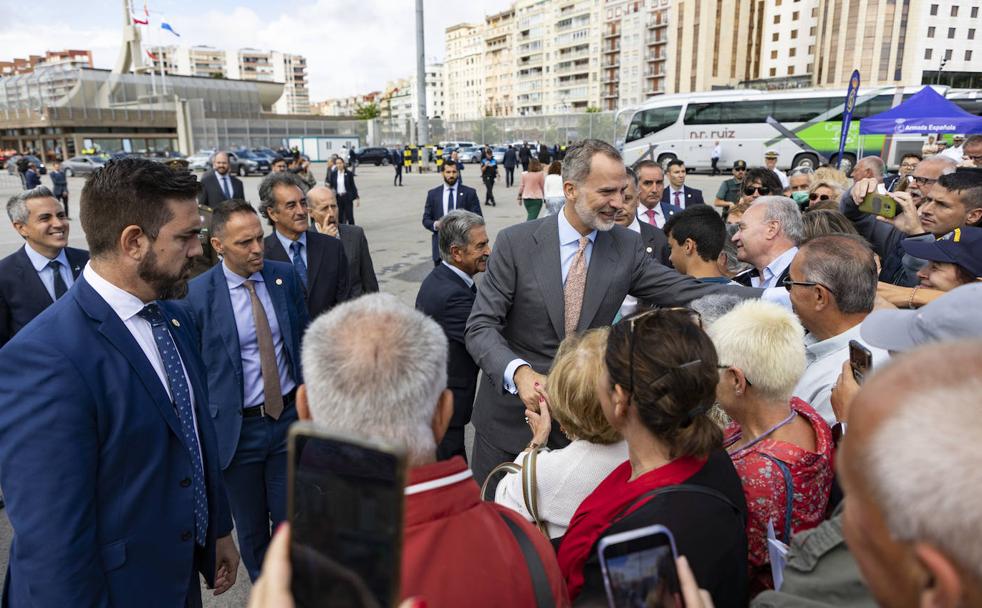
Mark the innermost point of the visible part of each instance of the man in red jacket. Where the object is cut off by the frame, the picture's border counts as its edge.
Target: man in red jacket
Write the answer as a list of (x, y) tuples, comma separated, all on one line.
[(387, 381)]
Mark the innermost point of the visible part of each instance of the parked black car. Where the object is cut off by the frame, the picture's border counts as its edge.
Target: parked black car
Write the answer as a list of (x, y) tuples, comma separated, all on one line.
[(376, 156)]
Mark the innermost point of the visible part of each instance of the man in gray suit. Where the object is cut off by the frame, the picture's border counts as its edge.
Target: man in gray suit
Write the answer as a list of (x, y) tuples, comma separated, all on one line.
[(323, 206), (546, 278)]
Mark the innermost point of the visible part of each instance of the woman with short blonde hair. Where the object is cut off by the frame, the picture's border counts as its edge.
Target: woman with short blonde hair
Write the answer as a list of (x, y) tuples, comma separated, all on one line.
[(566, 476)]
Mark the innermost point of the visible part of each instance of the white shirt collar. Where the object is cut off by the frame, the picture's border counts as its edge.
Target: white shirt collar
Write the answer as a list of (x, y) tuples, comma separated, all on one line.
[(816, 349), (460, 273), (643, 211), (635, 225), (123, 303), (39, 261), (568, 234), (778, 264), (287, 242)]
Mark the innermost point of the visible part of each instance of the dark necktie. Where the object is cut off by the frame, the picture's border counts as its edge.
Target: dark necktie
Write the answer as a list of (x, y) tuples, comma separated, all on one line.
[(181, 394), (60, 287), (272, 391), (225, 187), (678, 201), (298, 263), (452, 201), (474, 288)]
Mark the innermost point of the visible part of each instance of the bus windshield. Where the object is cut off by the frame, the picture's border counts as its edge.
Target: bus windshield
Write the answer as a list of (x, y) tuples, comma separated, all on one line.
[(651, 121)]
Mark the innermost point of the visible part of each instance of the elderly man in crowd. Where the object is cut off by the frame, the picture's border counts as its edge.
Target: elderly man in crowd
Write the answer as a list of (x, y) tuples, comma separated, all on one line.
[(868, 167), (323, 205), (972, 151), (909, 474), (456, 548), (768, 237), (651, 184), (832, 282)]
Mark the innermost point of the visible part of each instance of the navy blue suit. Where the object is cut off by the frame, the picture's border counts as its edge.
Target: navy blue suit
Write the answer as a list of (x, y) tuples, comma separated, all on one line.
[(466, 199), (446, 298), (22, 294), (256, 493), (96, 477), (327, 270), (690, 196)]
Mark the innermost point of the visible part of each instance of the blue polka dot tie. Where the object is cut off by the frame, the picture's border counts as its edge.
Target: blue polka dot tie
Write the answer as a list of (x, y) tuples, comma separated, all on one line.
[(182, 403)]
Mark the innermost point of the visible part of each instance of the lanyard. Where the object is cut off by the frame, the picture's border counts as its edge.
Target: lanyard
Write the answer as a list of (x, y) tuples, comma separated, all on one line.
[(762, 436)]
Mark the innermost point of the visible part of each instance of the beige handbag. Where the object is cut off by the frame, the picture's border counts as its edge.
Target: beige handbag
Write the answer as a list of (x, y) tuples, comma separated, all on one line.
[(530, 492)]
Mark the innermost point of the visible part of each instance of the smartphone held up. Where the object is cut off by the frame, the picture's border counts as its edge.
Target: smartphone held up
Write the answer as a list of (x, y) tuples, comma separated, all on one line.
[(639, 568)]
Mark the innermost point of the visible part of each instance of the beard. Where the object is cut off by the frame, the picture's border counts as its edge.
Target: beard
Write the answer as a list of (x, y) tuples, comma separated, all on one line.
[(165, 286), (589, 217)]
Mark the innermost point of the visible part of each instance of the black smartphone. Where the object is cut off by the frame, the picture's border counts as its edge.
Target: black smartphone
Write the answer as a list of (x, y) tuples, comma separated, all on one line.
[(639, 568), (860, 360), (346, 518)]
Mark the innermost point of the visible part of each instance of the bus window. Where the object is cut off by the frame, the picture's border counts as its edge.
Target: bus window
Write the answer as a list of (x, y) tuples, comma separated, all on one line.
[(651, 121), (747, 111), (703, 114), (800, 110)]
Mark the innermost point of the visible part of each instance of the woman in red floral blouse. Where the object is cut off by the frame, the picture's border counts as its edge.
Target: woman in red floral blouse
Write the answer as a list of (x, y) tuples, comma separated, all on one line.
[(781, 448)]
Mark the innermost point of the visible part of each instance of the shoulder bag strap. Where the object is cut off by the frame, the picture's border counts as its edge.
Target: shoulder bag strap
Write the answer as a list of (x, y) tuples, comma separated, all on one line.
[(530, 489), (533, 561), (789, 491), (678, 488), (505, 467)]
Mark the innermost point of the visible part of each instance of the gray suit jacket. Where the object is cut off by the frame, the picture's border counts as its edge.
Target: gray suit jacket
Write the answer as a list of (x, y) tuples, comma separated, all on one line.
[(519, 313), (361, 272)]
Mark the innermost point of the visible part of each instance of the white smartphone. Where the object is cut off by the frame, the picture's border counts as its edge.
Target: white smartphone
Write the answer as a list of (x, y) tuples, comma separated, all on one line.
[(639, 568)]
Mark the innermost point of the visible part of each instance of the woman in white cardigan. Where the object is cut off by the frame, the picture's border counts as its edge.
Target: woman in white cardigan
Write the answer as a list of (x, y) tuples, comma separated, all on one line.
[(566, 476)]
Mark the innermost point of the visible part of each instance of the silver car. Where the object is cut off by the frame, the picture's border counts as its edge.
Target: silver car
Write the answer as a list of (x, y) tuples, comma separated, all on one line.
[(199, 161), (470, 155), (82, 165)]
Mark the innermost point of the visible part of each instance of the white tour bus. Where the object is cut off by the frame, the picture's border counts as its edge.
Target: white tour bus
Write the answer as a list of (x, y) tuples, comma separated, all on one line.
[(801, 125)]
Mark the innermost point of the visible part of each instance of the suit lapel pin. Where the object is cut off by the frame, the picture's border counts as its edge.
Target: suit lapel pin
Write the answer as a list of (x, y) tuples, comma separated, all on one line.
[(648, 250), (279, 281), (175, 322)]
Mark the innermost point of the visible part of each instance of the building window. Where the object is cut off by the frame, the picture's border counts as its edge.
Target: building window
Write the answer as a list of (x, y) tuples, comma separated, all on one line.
[(971, 33), (790, 70), (947, 54), (954, 11), (792, 52), (968, 55), (794, 16), (811, 31), (777, 19), (773, 71), (794, 34), (773, 54), (934, 10), (774, 37), (930, 32), (928, 53), (975, 12), (951, 33)]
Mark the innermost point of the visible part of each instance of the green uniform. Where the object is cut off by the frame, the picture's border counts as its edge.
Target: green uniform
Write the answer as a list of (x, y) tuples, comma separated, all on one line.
[(730, 190)]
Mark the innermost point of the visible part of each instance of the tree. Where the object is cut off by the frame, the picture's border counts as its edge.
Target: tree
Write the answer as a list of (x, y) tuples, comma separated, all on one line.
[(367, 111), (593, 110)]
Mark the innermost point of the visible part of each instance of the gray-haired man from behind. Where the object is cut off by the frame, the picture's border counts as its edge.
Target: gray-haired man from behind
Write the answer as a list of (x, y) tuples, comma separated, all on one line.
[(447, 295), (387, 381)]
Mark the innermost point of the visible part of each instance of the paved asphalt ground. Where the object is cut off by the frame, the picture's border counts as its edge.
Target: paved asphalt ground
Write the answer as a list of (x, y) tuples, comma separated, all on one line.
[(399, 244)]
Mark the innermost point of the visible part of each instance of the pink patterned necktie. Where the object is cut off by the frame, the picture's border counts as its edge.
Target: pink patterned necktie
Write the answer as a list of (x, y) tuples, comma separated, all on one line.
[(575, 286)]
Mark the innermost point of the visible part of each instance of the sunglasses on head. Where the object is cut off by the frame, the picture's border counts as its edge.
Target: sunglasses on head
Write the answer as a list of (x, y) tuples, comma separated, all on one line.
[(749, 190)]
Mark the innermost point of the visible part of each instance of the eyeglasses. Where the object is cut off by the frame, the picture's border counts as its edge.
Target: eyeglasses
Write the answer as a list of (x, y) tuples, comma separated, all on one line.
[(816, 197), (722, 367), (694, 316), (763, 190), (924, 181), (788, 284)]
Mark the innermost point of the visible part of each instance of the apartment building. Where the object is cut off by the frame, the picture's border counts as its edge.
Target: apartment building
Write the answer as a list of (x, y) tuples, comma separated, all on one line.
[(463, 72), (69, 58), (633, 51), (948, 33), (499, 63), (187, 61)]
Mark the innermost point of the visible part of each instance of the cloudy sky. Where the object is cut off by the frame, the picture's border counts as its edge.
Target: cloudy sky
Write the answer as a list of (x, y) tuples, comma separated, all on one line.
[(351, 46)]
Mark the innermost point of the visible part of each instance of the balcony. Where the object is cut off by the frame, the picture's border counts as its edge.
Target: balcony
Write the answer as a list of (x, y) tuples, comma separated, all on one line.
[(610, 79), (614, 48), (610, 95), (609, 35), (658, 24)]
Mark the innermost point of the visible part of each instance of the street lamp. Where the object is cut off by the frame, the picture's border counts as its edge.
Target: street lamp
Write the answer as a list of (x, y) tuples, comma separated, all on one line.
[(937, 78)]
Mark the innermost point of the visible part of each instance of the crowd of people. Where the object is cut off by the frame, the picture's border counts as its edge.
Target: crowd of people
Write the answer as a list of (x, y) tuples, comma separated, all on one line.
[(645, 358)]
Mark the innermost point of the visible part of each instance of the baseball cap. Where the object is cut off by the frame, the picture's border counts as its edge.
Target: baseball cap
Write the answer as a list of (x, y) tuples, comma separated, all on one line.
[(740, 164), (953, 316), (771, 154), (961, 246)]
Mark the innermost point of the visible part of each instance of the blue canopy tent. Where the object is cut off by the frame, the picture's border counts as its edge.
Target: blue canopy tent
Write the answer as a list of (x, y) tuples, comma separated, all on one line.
[(926, 112)]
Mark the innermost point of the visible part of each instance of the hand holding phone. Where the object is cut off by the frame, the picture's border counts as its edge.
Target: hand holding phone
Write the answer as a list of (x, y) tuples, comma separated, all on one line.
[(880, 203), (639, 568), (860, 360)]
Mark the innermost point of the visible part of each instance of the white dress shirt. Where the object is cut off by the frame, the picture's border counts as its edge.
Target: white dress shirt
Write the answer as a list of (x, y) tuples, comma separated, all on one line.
[(340, 180), (446, 198), (681, 199), (781, 175), (825, 359), (569, 244), (46, 274), (127, 306), (460, 273), (659, 216)]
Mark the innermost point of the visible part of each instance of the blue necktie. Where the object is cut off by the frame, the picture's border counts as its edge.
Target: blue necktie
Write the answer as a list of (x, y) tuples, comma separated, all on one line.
[(60, 287), (298, 262), (181, 395), (225, 188)]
